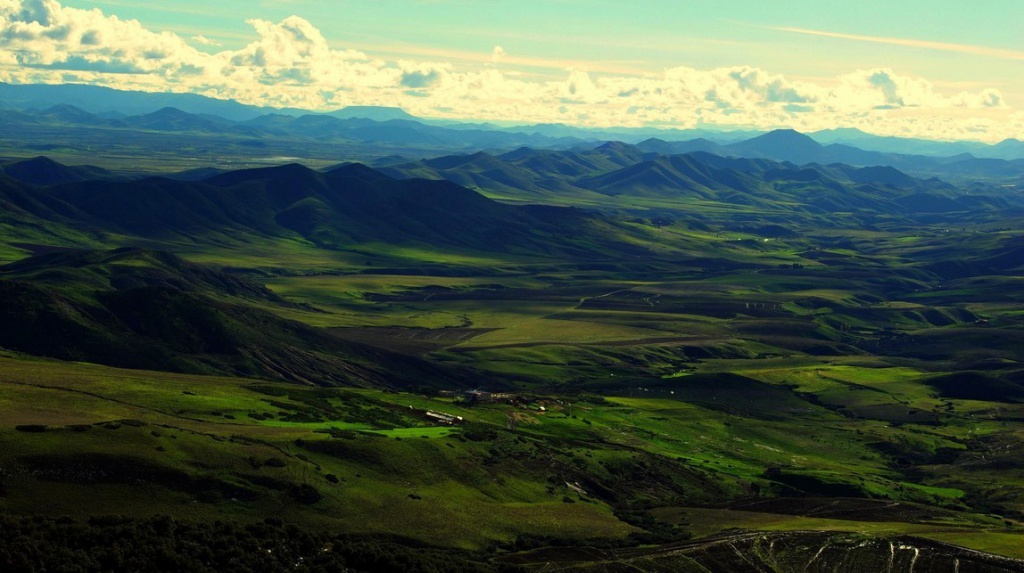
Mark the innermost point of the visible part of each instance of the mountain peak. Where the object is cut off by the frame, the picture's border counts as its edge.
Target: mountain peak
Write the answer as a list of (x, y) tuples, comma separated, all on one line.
[(64, 110), (295, 174), (40, 161), (781, 145), (521, 152), (173, 119), (372, 112), (356, 171), (168, 112), (42, 170), (788, 136), (453, 161), (656, 145), (614, 146)]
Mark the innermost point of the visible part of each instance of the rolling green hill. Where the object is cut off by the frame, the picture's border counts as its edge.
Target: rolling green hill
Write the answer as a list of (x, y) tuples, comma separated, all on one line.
[(352, 205)]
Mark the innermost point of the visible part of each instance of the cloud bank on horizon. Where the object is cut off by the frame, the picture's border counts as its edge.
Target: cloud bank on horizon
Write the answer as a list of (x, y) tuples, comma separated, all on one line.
[(291, 64)]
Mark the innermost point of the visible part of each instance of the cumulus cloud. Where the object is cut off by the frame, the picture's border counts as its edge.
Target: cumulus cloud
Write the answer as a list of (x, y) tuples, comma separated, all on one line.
[(290, 63), (498, 54), (42, 33), (988, 98)]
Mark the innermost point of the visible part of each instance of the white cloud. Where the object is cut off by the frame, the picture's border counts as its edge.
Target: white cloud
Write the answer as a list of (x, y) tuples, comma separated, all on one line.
[(498, 54), (290, 63), (204, 41)]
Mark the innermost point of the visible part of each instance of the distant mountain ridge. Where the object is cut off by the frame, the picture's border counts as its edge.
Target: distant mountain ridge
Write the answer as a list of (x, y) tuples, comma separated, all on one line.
[(105, 102), (361, 125), (318, 129), (622, 171), (376, 113), (98, 100)]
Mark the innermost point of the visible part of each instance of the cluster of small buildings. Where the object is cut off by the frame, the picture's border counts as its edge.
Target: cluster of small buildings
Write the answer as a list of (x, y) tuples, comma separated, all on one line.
[(480, 395), (483, 396)]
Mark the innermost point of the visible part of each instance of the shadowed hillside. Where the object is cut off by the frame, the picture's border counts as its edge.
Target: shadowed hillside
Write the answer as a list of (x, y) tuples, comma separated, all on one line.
[(347, 206), (45, 171), (147, 309)]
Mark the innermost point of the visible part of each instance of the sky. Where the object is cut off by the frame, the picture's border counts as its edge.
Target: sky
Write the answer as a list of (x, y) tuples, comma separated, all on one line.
[(938, 69)]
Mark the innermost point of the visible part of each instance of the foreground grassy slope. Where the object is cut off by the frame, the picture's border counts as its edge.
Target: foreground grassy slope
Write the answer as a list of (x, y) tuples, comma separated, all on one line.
[(78, 437), (158, 443)]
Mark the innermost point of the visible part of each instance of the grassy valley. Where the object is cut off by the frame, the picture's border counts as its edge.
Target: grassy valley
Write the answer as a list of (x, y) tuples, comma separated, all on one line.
[(727, 357)]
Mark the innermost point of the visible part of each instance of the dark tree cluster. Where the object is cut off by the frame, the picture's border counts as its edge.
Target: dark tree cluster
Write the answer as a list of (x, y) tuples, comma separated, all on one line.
[(158, 544)]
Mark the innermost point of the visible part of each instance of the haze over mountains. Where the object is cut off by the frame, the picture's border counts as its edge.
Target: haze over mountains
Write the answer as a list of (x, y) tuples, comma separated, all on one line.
[(21, 106)]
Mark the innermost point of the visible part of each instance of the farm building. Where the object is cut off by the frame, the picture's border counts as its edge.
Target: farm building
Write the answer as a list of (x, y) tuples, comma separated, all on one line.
[(443, 418)]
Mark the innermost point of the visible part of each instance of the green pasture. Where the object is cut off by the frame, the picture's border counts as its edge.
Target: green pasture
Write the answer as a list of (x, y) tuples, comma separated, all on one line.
[(200, 427), (395, 472)]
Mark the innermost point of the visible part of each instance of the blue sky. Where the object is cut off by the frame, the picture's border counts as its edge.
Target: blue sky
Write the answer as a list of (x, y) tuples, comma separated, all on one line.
[(941, 69)]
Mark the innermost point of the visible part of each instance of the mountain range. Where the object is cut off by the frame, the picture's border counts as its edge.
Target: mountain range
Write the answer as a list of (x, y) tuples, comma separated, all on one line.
[(430, 202), (94, 106), (673, 182), (262, 135)]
